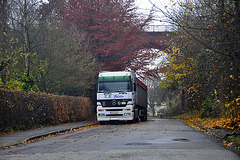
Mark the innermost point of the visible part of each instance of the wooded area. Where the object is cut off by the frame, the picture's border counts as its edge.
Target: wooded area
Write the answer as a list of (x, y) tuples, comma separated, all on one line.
[(59, 46), (203, 61)]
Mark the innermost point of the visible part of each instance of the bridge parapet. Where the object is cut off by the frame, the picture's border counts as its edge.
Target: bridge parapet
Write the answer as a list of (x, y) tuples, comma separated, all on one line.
[(159, 28)]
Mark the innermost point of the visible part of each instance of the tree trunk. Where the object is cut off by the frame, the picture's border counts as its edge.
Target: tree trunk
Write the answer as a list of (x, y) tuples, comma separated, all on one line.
[(153, 110), (26, 42), (182, 100)]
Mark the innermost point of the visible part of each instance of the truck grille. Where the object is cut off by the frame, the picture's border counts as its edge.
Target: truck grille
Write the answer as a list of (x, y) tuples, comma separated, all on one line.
[(114, 103), (113, 109), (114, 115)]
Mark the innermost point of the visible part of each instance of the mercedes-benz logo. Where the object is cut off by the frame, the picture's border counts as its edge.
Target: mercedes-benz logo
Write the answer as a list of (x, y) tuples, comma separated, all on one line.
[(114, 102)]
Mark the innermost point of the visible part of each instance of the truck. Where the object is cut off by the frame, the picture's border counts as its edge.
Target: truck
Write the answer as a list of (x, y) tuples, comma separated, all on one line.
[(121, 97)]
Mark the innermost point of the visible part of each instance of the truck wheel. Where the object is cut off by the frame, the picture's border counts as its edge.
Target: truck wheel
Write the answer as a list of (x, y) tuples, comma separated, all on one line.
[(138, 119), (145, 115), (132, 121)]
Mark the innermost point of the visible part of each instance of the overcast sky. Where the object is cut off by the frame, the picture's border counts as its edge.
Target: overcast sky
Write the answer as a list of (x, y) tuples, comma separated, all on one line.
[(146, 5)]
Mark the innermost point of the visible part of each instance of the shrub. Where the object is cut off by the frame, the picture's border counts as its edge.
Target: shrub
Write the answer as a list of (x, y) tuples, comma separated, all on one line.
[(174, 110), (25, 110), (211, 106)]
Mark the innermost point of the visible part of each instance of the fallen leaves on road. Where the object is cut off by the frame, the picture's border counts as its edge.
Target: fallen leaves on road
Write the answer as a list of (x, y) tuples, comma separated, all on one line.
[(233, 140), (62, 133), (202, 124), (193, 120)]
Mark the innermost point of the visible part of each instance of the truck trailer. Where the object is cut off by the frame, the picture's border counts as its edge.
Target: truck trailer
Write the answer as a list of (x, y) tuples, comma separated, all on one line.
[(121, 97)]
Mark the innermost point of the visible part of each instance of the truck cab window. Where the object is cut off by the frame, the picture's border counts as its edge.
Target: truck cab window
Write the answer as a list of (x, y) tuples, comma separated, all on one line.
[(114, 87)]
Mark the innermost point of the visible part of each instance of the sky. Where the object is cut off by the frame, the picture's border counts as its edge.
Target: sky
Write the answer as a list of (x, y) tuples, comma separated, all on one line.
[(144, 6), (148, 4)]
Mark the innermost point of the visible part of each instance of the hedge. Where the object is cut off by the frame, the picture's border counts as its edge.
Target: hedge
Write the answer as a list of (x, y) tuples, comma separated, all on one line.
[(25, 110)]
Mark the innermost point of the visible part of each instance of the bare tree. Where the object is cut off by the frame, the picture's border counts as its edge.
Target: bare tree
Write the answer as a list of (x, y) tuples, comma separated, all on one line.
[(24, 21), (156, 95)]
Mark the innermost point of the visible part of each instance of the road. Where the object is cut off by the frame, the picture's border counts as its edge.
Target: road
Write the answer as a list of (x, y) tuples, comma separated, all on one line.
[(161, 139)]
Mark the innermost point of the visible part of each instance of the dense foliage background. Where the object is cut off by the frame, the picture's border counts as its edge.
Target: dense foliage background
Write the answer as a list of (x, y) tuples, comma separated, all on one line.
[(203, 61), (60, 46)]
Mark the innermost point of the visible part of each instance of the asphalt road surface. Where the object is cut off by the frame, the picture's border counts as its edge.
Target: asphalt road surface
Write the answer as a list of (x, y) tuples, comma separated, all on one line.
[(161, 139)]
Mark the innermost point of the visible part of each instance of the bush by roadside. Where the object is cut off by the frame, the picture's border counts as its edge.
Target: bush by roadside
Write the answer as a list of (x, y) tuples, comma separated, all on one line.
[(25, 110)]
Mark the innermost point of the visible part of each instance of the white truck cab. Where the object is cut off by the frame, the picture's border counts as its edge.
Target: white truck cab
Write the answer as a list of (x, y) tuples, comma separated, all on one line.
[(120, 97)]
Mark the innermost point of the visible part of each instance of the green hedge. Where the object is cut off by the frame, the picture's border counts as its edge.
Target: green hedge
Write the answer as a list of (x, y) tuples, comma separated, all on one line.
[(25, 110)]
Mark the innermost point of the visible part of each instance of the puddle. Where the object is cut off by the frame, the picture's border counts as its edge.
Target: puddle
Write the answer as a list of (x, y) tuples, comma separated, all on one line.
[(138, 144), (181, 140), (159, 141)]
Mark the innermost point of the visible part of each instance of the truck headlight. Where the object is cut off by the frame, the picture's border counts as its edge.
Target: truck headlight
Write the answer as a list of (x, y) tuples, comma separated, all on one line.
[(101, 114), (124, 103), (127, 114)]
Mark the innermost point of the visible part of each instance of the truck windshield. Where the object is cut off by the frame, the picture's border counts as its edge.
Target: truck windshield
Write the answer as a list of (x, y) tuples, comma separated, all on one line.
[(114, 87)]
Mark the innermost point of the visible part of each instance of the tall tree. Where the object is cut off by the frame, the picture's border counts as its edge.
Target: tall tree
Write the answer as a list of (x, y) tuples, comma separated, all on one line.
[(24, 22), (208, 36), (112, 29), (9, 50), (4, 14), (66, 67)]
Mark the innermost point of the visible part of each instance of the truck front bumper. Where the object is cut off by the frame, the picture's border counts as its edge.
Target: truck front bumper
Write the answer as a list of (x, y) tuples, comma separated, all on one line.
[(114, 119), (114, 114)]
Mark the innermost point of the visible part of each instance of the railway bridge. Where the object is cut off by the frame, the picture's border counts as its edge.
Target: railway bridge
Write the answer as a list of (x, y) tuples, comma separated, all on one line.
[(159, 35)]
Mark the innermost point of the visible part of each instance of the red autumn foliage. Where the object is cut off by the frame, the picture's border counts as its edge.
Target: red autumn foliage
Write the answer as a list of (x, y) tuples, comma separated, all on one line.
[(113, 30)]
